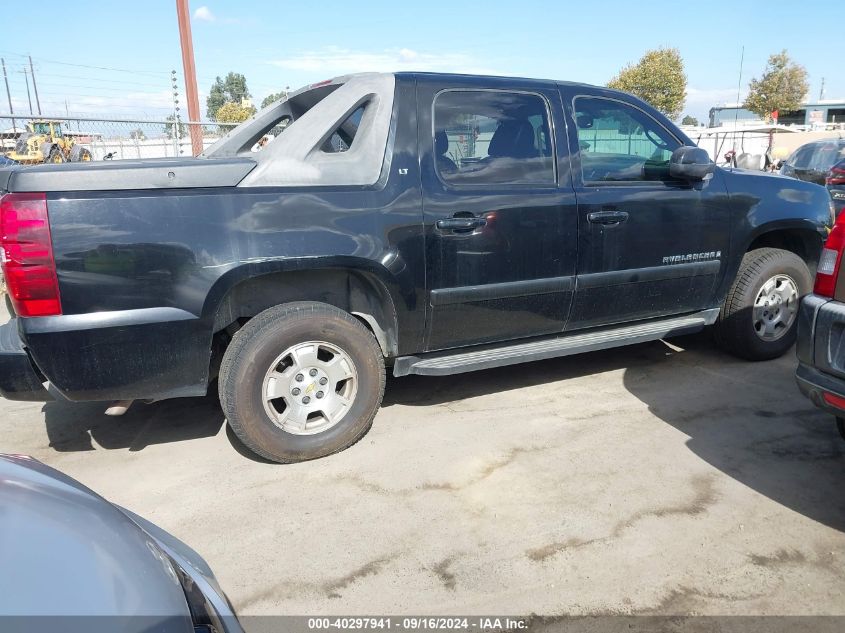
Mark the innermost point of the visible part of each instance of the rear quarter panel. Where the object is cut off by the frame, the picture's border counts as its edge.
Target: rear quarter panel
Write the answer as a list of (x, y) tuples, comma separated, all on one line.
[(141, 274)]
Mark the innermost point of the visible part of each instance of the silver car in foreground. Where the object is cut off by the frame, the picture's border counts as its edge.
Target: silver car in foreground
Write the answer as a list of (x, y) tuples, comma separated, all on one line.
[(72, 561)]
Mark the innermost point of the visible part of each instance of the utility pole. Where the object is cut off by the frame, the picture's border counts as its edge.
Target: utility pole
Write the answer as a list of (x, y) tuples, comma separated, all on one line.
[(183, 14), (9, 95), (34, 87), (28, 96), (821, 92)]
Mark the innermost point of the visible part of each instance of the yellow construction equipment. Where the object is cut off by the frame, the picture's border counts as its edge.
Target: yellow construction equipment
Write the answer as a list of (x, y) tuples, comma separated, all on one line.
[(45, 142)]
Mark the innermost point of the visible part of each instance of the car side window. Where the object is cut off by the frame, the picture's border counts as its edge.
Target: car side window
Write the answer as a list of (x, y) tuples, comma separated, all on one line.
[(801, 158), (825, 157), (620, 143), (491, 137)]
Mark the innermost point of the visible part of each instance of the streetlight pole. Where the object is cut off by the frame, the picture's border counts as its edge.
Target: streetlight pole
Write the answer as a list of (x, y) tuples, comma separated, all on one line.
[(183, 14)]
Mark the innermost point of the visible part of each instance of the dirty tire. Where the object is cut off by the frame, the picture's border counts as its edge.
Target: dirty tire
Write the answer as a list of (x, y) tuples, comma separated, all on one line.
[(79, 154), (734, 330), (56, 156), (252, 352)]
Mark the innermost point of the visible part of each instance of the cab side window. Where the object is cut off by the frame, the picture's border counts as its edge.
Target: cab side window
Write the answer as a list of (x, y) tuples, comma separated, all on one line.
[(492, 138), (620, 143)]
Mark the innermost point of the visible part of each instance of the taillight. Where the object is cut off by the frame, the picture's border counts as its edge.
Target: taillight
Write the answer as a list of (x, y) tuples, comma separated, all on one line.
[(836, 176), (27, 254), (831, 260), (834, 400)]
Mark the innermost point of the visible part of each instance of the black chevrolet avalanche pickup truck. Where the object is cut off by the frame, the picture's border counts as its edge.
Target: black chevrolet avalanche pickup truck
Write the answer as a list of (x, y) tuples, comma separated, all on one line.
[(424, 223)]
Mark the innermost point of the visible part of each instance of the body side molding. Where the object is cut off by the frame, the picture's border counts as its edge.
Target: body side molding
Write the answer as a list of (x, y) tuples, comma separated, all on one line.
[(502, 290)]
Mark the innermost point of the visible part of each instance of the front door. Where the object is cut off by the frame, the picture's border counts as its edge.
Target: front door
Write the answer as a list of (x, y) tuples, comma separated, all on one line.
[(650, 246), (499, 212)]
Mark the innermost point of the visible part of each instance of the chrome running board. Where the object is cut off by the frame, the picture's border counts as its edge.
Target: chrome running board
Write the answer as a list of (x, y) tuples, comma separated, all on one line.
[(484, 357)]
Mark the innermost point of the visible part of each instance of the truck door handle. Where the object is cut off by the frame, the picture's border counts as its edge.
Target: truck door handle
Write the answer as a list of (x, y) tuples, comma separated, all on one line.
[(459, 224), (607, 217)]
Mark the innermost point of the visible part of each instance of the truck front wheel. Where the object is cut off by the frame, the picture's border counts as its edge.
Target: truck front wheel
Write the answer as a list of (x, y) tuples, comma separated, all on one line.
[(300, 381), (759, 318)]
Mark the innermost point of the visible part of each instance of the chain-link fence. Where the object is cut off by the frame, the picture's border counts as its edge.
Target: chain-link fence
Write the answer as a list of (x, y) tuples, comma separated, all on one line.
[(23, 138)]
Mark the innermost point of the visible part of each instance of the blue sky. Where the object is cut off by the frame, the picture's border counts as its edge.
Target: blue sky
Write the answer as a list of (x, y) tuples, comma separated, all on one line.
[(282, 43)]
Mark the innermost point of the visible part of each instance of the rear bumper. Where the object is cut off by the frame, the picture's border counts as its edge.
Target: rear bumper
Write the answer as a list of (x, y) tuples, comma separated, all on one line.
[(151, 353), (821, 350), (814, 384), (19, 379)]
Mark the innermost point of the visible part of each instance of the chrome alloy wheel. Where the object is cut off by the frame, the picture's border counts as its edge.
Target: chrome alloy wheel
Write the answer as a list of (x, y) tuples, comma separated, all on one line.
[(776, 307), (310, 387)]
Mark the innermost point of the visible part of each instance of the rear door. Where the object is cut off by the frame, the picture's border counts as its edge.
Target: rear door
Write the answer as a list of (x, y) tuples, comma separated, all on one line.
[(649, 245), (499, 211)]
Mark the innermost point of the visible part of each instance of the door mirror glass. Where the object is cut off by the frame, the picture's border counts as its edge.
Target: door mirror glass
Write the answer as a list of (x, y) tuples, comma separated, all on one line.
[(690, 163)]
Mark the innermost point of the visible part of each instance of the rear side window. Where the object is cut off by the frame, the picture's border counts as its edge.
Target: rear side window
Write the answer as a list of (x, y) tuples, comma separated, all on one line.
[(620, 143), (493, 138), (342, 137)]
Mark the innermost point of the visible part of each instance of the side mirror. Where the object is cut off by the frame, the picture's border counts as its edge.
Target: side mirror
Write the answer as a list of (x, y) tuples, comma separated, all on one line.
[(690, 163), (584, 121)]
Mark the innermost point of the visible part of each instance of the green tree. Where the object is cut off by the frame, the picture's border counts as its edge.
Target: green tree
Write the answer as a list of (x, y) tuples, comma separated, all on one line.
[(782, 87), (689, 120), (138, 135), (232, 89), (273, 97), (231, 112), (657, 78), (168, 127)]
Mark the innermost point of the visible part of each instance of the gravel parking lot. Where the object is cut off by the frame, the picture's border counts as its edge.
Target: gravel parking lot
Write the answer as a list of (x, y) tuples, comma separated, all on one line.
[(659, 478)]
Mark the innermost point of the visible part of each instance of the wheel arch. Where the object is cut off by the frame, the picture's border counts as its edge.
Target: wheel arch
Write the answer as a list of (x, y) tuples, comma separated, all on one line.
[(355, 288), (803, 239)]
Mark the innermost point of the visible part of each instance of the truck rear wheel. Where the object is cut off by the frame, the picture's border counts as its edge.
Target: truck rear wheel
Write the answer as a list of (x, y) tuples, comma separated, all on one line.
[(301, 381), (759, 318), (79, 154)]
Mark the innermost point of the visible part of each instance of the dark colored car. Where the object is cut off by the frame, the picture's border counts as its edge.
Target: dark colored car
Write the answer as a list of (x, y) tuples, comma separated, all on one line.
[(416, 223), (812, 161), (821, 331), (836, 185), (73, 561), (7, 162)]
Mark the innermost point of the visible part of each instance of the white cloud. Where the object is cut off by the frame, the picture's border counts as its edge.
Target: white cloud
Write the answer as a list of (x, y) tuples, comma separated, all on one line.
[(337, 60), (204, 13), (709, 97)]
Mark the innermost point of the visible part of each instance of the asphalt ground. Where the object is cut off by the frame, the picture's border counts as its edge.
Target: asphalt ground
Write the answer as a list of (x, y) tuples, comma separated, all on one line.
[(663, 478)]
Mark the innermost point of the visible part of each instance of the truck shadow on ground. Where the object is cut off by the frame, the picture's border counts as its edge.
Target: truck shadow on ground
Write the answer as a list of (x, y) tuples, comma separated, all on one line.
[(746, 419), (77, 426), (751, 422)]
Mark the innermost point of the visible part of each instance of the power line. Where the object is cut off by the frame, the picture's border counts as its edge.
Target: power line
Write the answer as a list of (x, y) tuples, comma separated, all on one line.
[(119, 70), (41, 73)]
